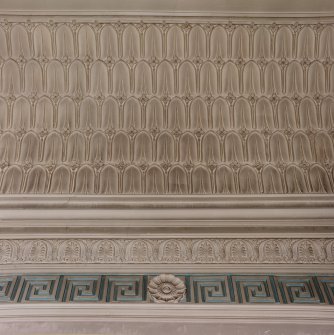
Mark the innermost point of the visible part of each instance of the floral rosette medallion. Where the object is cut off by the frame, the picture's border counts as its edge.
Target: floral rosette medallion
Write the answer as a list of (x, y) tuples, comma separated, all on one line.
[(166, 288)]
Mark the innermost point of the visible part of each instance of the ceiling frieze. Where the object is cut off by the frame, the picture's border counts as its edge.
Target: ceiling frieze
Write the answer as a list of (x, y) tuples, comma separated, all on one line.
[(135, 106), (166, 289), (167, 251)]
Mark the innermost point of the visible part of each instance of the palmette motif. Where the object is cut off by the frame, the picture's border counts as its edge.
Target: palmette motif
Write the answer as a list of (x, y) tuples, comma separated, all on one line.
[(167, 251)]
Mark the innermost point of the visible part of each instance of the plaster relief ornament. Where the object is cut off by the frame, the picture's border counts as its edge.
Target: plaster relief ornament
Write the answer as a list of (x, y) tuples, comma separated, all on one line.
[(106, 96), (166, 288)]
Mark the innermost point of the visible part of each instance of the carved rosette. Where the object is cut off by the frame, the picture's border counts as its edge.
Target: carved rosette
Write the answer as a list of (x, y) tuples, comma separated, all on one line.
[(166, 288)]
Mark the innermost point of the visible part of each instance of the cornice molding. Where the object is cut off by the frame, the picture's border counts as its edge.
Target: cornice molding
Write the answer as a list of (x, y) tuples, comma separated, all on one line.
[(139, 318), (173, 15), (299, 215), (254, 216), (91, 268), (270, 314), (172, 7), (258, 201)]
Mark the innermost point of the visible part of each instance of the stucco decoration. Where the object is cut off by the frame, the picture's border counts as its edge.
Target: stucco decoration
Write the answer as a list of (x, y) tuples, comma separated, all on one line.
[(166, 288), (140, 107), (167, 251)]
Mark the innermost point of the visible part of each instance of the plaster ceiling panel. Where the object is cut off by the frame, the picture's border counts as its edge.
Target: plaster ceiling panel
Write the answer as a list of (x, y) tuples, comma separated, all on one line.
[(142, 106)]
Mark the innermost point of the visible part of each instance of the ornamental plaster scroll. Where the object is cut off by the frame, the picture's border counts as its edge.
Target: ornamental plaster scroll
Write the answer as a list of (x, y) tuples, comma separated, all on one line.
[(167, 251), (134, 107)]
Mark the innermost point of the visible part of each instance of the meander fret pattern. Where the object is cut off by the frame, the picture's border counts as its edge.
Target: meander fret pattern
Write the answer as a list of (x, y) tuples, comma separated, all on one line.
[(201, 288), (114, 107)]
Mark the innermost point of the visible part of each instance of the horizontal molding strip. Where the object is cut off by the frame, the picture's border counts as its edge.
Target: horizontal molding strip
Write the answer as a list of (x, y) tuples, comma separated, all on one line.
[(268, 314), (173, 14), (167, 251), (165, 201), (171, 268), (301, 210), (152, 288)]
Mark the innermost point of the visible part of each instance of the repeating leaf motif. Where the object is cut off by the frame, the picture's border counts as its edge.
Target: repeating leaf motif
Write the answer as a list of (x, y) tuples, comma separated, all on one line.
[(137, 107)]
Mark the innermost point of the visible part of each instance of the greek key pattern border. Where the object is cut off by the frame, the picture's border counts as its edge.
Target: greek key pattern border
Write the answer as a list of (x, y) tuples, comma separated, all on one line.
[(213, 288), (167, 251)]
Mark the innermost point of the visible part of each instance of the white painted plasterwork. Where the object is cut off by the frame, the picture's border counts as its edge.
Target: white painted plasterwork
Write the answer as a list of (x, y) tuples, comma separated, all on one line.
[(136, 106), (112, 117), (109, 117), (125, 234), (169, 251)]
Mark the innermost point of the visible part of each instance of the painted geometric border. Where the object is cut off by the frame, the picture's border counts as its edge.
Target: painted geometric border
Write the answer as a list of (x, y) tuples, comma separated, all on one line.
[(200, 289)]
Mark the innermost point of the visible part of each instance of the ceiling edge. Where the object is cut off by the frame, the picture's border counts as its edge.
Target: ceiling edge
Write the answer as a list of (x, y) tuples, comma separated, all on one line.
[(200, 14)]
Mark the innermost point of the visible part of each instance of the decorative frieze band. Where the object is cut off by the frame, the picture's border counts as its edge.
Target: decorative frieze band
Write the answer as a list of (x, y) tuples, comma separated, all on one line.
[(167, 251), (148, 288)]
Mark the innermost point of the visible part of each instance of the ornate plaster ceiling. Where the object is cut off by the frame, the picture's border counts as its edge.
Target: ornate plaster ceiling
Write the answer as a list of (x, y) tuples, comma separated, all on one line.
[(136, 141), (134, 106)]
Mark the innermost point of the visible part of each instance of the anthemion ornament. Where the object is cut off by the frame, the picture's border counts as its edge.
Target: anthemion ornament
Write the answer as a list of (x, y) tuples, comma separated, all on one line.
[(166, 288)]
